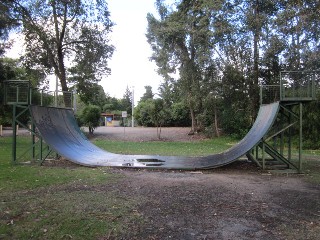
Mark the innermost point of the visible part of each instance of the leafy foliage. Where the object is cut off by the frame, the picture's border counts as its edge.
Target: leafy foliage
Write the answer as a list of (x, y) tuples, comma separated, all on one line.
[(217, 53), (112, 104), (311, 125), (162, 111), (142, 113), (126, 101), (148, 94), (68, 38), (7, 23), (90, 117)]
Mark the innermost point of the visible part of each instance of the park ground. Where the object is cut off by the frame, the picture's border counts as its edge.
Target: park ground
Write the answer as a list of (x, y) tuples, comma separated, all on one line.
[(238, 201)]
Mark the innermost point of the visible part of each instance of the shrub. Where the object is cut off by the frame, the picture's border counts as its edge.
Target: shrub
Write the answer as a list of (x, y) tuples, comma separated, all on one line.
[(90, 117)]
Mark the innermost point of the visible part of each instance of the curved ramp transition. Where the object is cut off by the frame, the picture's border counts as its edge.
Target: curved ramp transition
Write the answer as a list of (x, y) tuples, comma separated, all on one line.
[(59, 129)]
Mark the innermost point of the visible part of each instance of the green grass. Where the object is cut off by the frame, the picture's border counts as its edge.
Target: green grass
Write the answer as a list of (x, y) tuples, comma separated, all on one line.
[(200, 148), (43, 202), (62, 213)]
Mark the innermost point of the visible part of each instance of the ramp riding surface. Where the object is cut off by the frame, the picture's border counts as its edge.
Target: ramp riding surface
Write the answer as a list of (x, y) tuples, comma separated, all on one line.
[(59, 129)]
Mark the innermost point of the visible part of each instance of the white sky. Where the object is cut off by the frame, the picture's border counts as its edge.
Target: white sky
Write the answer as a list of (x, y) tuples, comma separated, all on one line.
[(130, 65)]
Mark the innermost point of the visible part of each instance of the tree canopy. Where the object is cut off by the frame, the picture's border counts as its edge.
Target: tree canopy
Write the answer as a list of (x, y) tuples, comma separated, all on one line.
[(90, 117), (67, 38), (215, 54), (7, 23)]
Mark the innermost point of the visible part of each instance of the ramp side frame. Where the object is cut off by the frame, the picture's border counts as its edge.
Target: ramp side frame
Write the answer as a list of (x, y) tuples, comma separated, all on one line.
[(269, 153)]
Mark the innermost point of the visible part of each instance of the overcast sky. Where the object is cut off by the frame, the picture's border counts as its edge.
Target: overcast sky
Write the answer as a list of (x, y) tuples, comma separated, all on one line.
[(130, 65)]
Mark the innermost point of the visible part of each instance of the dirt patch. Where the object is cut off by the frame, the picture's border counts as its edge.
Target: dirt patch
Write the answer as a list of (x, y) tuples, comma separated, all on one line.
[(140, 134), (229, 203)]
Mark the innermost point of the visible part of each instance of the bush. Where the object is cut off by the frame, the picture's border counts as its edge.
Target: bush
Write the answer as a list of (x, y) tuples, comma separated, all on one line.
[(142, 113), (235, 123), (90, 117)]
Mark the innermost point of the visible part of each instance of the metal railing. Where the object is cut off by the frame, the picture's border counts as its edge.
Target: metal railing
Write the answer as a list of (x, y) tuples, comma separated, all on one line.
[(269, 94), (20, 92), (298, 85), (17, 92), (62, 99)]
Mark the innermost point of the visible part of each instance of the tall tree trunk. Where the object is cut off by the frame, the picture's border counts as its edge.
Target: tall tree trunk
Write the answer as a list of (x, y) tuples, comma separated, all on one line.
[(63, 81), (193, 120), (188, 64), (216, 121), (60, 68), (255, 83), (159, 134)]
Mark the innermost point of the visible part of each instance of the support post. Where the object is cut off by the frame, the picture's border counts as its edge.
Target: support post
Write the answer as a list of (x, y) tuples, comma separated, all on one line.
[(74, 101), (281, 87), (263, 157), (282, 137), (56, 93), (41, 149), (33, 141), (132, 118), (41, 98), (289, 137), (14, 135), (300, 137), (30, 96)]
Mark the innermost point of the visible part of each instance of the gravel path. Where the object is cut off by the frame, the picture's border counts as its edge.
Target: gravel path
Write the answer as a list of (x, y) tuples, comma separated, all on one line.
[(145, 134)]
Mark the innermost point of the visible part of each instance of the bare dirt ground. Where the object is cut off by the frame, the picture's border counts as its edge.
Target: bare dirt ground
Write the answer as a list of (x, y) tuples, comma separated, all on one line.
[(233, 203), (145, 134), (238, 201)]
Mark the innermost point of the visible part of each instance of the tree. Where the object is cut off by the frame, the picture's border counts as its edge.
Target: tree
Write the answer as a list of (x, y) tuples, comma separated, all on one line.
[(176, 108), (142, 113), (69, 38), (179, 115), (112, 105), (255, 19), (214, 54), (126, 101), (236, 119), (150, 113), (167, 92), (7, 23), (311, 125), (179, 40), (158, 114), (297, 25), (96, 96), (148, 93), (90, 117)]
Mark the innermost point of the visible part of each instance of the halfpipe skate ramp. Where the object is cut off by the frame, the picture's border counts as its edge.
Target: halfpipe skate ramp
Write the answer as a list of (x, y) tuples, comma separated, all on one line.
[(59, 129)]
